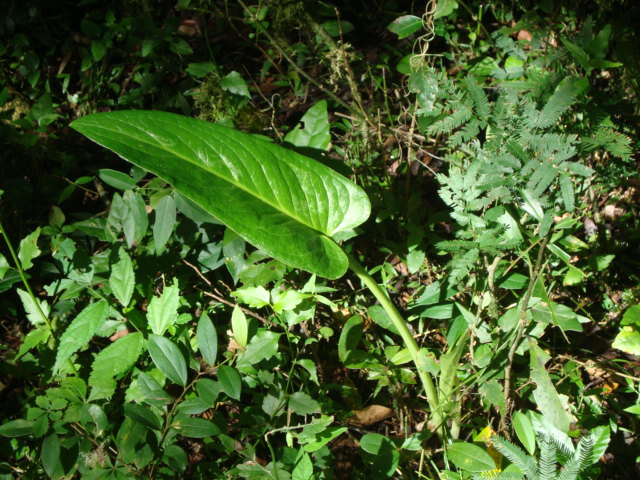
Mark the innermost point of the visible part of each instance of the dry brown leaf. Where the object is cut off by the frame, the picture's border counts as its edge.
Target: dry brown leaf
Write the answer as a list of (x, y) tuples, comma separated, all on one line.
[(370, 415)]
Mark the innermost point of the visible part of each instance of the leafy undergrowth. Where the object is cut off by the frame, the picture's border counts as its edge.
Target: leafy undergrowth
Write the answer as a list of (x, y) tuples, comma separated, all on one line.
[(177, 327)]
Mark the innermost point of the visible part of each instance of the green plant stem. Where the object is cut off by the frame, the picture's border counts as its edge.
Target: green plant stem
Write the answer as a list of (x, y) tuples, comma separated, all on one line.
[(18, 265), (407, 337), (522, 325)]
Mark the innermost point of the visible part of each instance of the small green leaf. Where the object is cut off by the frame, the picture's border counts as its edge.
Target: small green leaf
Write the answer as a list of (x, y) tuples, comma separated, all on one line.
[(405, 25), (4, 265), (263, 345), (515, 281), (34, 314), (196, 427), (50, 454), (380, 316), (525, 432), (200, 69), (175, 457), (255, 297), (136, 221), (35, 337), (164, 222), (207, 339), (80, 331), (163, 310), (313, 129), (631, 316), (350, 338), (239, 326), (116, 179), (230, 381), (168, 358), (28, 249), (234, 83), (470, 457), (444, 8), (302, 404), (122, 279), (98, 50), (142, 414), (16, 428)]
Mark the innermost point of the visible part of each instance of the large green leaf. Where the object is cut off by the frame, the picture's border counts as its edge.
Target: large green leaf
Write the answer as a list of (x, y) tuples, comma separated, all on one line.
[(284, 203)]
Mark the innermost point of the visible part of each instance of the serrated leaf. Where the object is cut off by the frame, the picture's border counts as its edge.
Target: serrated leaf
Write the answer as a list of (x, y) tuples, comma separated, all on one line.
[(196, 427), (470, 457), (313, 129), (405, 25), (285, 204), (164, 222), (207, 339), (163, 310), (112, 362), (234, 83), (168, 358), (28, 249), (230, 381), (34, 314), (239, 326), (80, 331), (34, 337), (122, 279)]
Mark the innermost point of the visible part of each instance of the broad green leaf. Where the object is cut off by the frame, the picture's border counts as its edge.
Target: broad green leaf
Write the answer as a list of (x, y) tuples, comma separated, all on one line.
[(287, 205), (444, 8), (175, 457), (112, 362), (207, 339), (415, 259), (545, 394), (631, 316), (303, 470), (193, 406), (16, 428), (80, 331), (515, 281), (303, 404), (524, 430), (287, 300), (142, 414), (196, 427), (50, 453), (28, 249), (349, 339), (628, 340), (165, 220), (239, 326), (385, 456), (208, 390), (34, 314), (230, 381), (405, 25), (313, 129), (380, 316), (122, 279), (601, 436), (168, 358), (136, 221), (116, 179), (470, 457), (163, 310)]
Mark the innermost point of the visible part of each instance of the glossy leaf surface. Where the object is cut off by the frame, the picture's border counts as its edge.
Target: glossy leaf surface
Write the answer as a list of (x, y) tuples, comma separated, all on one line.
[(286, 204)]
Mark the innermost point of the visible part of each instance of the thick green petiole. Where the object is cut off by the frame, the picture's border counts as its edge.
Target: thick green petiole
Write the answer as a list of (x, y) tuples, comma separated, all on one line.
[(407, 337)]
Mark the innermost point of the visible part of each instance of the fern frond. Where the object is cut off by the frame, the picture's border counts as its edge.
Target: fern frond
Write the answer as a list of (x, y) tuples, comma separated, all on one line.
[(479, 97), (548, 457), (517, 456), (563, 97)]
